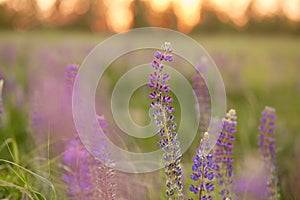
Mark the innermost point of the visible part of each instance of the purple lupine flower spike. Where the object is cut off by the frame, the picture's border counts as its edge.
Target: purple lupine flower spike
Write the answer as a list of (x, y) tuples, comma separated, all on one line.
[(223, 156), (203, 97), (164, 119), (203, 171), (77, 164), (87, 177), (102, 175), (70, 74), (267, 149), (1, 103)]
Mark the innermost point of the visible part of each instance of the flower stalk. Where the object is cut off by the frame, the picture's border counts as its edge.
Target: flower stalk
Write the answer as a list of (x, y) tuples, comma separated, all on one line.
[(223, 156), (267, 149), (164, 119), (87, 177), (203, 171), (203, 98)]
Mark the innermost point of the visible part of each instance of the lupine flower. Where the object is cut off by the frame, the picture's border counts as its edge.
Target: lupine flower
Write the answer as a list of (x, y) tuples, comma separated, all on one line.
[(70, 75), (1, 104), (267, 149), (86, 175), (77, 178), (203, 98), (164, 119), (223, 156), (249, 182), (104, 179), (103, 176), (203, 171)]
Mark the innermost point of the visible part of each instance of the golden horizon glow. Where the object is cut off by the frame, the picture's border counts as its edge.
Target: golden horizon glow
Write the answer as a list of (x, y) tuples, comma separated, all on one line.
[(234, 10), (118, 15), (45, 5), (188, 13), (159, 5), (67, 7), (266, 8), (291, 9)]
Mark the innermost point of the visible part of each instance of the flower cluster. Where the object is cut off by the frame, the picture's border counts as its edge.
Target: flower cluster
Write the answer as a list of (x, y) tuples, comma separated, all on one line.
[(223, 156), (203, 97), (87, 177), (267, 150), (203, 171), (103, 175), (70, 75), (164, 119), (77, 178)]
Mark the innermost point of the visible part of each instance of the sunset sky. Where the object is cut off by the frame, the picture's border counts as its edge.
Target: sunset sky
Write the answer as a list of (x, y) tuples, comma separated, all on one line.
[(119, 14)]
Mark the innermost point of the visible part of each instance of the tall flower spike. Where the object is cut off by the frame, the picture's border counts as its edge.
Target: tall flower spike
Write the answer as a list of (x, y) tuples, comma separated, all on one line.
[(203, 171), (86, 177), (98, 179), (164, 119), (70, 75), (77, 178), (203, 97), (101, 174), (223, 156), (1, 103), (267, 149)]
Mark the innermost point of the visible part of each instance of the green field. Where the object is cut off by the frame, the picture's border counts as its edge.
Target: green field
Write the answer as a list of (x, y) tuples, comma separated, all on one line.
[(257, 70)]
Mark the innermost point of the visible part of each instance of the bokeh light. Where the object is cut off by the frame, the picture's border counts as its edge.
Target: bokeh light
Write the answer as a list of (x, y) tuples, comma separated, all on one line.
[(188, 13), (121, 15), (291, 9), (234, 10)]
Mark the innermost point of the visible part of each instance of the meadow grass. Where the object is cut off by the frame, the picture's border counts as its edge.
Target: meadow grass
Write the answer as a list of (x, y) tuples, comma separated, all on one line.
[(257, 70)]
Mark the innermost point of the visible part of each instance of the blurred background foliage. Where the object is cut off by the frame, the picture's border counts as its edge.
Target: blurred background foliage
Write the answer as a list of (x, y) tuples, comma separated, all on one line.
[(255, 44), (184, 15)]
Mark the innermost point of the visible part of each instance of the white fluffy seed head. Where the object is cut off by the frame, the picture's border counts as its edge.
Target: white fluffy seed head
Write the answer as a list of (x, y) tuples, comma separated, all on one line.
[(231, 115), (1, 87)]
